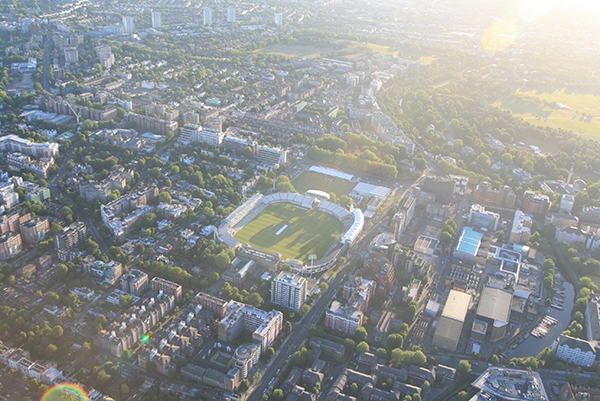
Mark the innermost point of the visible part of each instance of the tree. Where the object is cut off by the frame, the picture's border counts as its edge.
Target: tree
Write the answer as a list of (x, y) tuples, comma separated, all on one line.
[(124, 389), (462, 396), (277, 394), (426, 387), (257, 376), (255, 299), (395, 341), (494, 359), (349, 344), (213, 277), (222, 260), (51, 349), (323, 286), (354, 388), (464, 368), (572, 378), (381, 353), (592, 382), (362, 347), (317, 388), (62, 271), (57, 331), (445, 237), (304, 309), (361, 334), (125, 301), (165, 197), (287, 327), (73, 300), (269, 353), (52, 298)]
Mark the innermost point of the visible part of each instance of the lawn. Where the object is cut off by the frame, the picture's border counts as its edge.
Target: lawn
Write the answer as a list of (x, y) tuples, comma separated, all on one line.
[(311, 180), (299, 51), (577, 112), (307, 231)]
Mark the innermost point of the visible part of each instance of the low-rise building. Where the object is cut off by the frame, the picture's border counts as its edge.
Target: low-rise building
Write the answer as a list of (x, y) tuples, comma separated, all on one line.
[(574, 350)]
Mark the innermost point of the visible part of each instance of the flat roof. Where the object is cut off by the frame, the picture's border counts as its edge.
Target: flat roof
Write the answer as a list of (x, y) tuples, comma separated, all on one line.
[(449, 329), (469, 241), (495, 304), (364, 189), (457, 305)]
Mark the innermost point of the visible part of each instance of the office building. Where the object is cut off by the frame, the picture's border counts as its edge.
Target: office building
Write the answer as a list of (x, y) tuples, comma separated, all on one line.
[(168, 287), (481, 218), (156, 20), (35, 230), (207, 17), (450, 326), (10, 245), (70, 236), (128, 25), (288, 290), (135, 282), (231, 15)]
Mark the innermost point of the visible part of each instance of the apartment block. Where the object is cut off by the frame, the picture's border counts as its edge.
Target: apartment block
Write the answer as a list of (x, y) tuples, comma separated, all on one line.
[(288, 290), (168, 287), (10, 245), (70, 236), (264, 326), (117, 180), (135, 282), (502, 197), (35, 230)]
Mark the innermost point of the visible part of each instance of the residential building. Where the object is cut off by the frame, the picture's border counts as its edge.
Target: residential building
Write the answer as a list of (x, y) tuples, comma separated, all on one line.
[(207, 17), (134, 203), (520, 231), (135, 282), (245, 357), (279, 19), (13, 221), (117, 180), (288, 290), (70, 236), (35, 230), (502, 384), (231, 14), (344, 319), (590, 214), (168, 287), (212, 304), (271, 156), (71, 55), (574, 350), (156, 20), (128, 25), (108, 272), (502, 197), (264, 326), (13, 143), (10, 245), (566, 204), (38, 167), (442, 187), (536, 203)]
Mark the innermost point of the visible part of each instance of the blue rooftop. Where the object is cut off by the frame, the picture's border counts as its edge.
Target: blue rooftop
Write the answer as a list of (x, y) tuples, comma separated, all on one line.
[(469, 241)]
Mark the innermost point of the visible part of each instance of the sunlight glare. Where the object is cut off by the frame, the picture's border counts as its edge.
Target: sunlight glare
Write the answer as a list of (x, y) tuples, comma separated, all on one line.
[(499, 36), (531, 10)]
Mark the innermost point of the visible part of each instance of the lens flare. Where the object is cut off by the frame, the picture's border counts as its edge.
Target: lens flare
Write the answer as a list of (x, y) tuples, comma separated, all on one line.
[(531, 10), (499, 36), (145, 338), (56, 393)]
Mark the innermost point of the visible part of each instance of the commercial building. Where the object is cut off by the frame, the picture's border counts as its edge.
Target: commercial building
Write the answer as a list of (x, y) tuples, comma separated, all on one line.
[(481, 218), (468, 245), (288, 290), (10, 245), (70, 236), (520, 231), (168, 287), (494, 311), (35, 230), (134, 282), (502, 197), (264, 326), (536, 203), (450, 326)]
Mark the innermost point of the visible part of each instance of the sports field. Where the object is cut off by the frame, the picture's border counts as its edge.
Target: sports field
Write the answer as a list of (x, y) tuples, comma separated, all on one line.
[(577, 112), (291, 231), (311, 180)]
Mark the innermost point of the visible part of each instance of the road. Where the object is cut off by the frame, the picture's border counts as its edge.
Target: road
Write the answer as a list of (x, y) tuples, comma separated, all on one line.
[(91, 225), (46, 61)]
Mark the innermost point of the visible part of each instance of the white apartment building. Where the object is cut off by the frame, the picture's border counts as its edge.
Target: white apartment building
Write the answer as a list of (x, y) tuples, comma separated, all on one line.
[(575, 351), (288, 290)]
